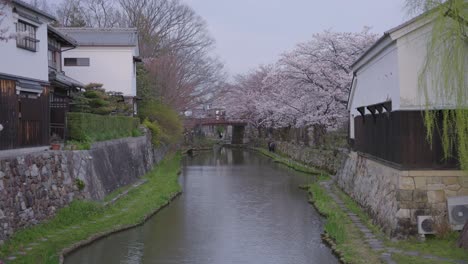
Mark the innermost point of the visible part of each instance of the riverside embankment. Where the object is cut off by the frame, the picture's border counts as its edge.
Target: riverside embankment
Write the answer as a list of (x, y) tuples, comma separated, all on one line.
[(83, 221)]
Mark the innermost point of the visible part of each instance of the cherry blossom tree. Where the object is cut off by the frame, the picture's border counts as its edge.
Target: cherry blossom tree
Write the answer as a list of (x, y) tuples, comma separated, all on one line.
[(307, 86)]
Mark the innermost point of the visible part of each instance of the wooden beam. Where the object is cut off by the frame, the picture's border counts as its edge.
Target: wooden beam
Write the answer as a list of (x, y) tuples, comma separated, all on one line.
[(379, 108), (362, 111), (372, 109)]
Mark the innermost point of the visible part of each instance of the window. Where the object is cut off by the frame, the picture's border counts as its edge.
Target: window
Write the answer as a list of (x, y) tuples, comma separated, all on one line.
[(76, 62), (26, 38), (54, 54)]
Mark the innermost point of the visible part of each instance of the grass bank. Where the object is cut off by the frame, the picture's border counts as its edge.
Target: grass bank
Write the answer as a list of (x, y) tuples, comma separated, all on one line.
[(347, 239), (81, 220), (434, 245)]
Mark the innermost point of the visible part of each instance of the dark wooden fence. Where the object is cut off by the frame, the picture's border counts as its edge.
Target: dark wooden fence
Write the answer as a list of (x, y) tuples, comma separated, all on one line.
[(400, 138), (8, 114), (25, 117)]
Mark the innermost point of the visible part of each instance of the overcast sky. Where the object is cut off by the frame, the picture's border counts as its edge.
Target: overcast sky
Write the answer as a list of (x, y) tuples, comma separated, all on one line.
[(253, 32)]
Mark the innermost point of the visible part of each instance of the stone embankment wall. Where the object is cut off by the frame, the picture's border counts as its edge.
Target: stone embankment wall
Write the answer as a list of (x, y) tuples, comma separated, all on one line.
[(325, 159), (34, 186), (395, 198), (324, 150)]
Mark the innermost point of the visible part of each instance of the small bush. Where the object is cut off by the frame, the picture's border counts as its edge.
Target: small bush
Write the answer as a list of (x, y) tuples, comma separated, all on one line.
[(136, 133), (155, 131), (80, 184)]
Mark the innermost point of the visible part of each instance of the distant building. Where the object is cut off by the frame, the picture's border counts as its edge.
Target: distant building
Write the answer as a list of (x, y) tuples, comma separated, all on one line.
[(104, 55)]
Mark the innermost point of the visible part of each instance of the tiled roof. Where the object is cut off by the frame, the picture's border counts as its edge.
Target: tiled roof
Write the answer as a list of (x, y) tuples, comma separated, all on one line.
[(103, 36), (34, 9)]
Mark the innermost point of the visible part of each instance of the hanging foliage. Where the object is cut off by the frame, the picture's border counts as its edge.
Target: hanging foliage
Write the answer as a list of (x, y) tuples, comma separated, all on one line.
[(443, 77)]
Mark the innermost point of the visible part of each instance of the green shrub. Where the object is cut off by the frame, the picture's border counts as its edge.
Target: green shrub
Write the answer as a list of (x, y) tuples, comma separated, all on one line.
[(84, 127), (80, 184), (136, 133), (96, 100), (167, 119), (155, 131)]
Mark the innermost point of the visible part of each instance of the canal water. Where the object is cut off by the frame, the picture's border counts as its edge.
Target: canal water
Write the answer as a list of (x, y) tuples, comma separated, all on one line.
[(237, 207)]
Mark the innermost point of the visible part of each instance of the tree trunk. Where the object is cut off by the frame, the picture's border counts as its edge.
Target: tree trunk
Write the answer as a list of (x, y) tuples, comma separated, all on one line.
[(463, 240)]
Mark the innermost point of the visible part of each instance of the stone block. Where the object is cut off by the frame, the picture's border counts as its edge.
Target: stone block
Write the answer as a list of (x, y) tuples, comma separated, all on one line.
[(436, 196), (434, 180), (463, 181), (462, 192), (439, 208), (420, 196), (435, 186), (34, 170), (412, 205), (403, 213), (454, 187), (2, 174), (404, 195), (450, 193), (420, 183), (406, 183), (419, 212), (450, 180)]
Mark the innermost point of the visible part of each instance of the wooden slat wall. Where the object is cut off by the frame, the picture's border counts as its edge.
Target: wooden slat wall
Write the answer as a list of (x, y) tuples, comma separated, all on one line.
[(8, 114), (400, 139), (29, 129), (35, 121)]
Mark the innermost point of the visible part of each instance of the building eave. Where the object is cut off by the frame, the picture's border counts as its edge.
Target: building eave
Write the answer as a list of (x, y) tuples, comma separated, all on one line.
[(19, 78), (33, 9), (65, 40), (394, 34)]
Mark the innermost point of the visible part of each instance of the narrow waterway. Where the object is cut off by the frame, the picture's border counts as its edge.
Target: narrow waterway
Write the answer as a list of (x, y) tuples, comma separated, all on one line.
[(237, 207)]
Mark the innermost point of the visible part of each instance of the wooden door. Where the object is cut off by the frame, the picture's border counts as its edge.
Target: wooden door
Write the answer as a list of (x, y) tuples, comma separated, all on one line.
[(8, 115)]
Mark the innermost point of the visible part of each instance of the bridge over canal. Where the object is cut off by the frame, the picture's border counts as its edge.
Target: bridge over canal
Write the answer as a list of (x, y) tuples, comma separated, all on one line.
[(234, 130)]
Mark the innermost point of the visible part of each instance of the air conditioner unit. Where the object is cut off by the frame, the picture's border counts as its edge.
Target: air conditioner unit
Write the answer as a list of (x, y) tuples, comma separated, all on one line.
[(425, 225), (458, 211)]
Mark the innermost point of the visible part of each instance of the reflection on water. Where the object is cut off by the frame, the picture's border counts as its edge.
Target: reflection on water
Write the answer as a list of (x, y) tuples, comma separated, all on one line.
[(237, 207)]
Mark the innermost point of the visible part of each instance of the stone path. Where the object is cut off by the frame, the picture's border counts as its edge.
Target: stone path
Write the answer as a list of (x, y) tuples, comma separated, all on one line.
[(375, 243)]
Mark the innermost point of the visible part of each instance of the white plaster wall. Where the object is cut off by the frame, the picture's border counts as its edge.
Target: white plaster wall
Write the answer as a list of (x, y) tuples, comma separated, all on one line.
[(21, 62), (378, 81), (412, 49), (111, 66)]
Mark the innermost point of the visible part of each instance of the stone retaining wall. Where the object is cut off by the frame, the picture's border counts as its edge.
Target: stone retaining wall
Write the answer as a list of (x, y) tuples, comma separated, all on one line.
[(394, 198), (34, 186), (328, 160)]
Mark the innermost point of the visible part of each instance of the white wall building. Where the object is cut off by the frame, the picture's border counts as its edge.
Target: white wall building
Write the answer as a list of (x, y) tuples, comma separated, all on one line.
[(106, 56), (25, 56), (389, 71)]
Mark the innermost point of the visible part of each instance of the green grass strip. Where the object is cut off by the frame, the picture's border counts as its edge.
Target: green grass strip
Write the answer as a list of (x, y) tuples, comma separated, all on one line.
[(349, 242), (82, 219)]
